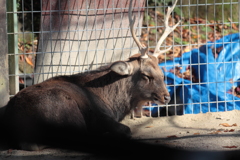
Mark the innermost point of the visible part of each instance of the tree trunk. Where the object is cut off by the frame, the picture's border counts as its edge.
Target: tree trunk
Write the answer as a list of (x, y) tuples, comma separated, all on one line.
[(80, 35)]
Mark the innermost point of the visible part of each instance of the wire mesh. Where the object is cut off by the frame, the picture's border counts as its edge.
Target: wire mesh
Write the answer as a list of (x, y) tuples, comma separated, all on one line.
[(53, 37)]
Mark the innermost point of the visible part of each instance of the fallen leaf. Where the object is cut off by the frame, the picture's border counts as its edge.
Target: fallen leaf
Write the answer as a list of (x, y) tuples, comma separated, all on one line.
[(225, 27), (196, 133), (227, 125), (231, 130), (145, 37), (230, 146), (159, 13), (194, 36), (29, 61), (21, 80), (148, 126), (234, 26)]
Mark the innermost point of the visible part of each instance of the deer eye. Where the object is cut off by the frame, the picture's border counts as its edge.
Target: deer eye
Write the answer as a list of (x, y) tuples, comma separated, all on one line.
[(146, 77)]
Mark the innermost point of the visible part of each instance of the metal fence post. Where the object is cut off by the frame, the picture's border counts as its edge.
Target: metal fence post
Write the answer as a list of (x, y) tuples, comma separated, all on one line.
[(4, 94), (12, 29)]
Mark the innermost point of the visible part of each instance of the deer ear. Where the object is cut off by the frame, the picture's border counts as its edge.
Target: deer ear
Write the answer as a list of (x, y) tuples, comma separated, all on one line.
[(122, 68)]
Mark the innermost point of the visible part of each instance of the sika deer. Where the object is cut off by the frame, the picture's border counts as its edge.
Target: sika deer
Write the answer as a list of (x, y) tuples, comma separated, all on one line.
[(69, 109)]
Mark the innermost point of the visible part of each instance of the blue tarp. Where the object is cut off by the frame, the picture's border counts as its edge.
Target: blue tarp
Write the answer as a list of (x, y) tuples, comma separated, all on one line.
[(217, 76)]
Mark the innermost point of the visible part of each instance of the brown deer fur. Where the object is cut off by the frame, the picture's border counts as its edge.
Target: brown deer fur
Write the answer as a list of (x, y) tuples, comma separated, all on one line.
[(71, 108)]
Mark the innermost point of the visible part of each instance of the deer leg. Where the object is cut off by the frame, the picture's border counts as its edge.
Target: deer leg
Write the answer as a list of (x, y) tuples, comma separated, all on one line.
[(107, 126)]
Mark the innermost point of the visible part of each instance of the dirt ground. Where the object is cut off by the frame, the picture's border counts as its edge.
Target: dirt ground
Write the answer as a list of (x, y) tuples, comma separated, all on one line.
[(210, 131)]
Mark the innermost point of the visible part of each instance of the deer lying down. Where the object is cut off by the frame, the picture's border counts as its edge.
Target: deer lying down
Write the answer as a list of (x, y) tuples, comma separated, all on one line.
[(70, 108)]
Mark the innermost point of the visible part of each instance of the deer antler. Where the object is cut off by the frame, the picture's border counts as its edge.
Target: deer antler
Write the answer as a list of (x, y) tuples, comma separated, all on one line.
[(142, 48), (167, 31)]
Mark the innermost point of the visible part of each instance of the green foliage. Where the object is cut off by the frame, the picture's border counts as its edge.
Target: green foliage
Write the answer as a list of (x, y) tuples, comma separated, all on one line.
[(153, 31), (152, 23), (179, 41), (178, 11), (205, 28), (27, 37), (203, 36)]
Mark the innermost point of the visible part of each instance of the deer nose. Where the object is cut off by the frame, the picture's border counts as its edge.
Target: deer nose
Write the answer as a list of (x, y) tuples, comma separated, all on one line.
[(167, 99)]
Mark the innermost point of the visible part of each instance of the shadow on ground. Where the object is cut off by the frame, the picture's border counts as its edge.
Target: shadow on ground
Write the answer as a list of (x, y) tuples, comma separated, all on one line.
[(118, 149)]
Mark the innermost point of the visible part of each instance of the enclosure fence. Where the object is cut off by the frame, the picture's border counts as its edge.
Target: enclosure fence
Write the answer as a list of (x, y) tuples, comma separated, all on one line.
[(59, 37)]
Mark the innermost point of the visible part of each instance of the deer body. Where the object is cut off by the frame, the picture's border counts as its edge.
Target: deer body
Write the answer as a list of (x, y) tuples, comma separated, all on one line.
[(71, 109), (91, 103)]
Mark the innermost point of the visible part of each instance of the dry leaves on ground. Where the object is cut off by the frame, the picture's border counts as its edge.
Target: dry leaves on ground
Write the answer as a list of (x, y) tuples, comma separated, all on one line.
[(227, 125)]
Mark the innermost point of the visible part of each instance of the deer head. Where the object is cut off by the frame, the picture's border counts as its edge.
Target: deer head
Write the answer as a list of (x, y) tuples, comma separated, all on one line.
[(146, 77)]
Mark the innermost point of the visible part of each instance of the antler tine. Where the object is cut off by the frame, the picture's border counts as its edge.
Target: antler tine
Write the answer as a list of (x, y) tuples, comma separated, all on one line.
[(167, 31), (142, 48)]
